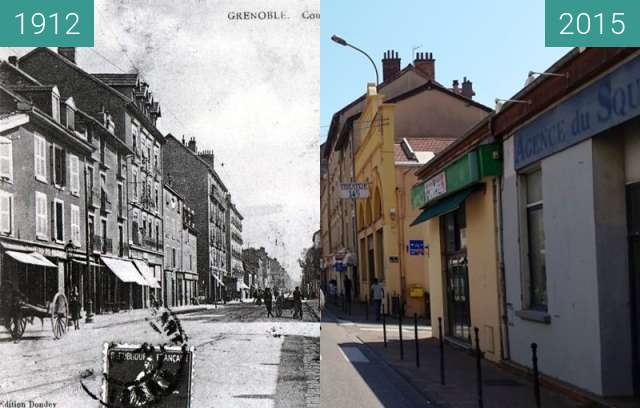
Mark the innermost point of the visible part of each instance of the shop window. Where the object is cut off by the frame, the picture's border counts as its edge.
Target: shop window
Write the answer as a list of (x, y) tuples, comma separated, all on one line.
[(537, 274)]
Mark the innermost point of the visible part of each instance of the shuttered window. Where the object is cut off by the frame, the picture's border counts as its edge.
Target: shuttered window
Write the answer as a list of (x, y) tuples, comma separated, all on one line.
[(75, 224), (6, 159), (6, 212), (42, 219), (40, 157), (74, 174)]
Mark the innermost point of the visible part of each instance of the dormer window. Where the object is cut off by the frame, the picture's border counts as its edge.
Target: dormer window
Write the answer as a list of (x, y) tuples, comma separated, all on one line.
[(70, 113), (55, 107)]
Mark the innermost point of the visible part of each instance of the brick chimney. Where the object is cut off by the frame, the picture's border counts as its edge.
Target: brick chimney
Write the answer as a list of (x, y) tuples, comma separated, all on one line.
[(455, 87), (467, 88), (390, 65), (425, 63), (192, 145), (207, 155), (68, 52)]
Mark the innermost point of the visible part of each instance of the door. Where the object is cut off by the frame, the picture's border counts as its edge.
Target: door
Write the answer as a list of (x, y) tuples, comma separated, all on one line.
[(458, 313), (633, 219)]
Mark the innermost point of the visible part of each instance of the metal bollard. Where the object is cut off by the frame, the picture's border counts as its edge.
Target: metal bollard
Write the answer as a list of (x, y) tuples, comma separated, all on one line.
[(441, 351), (415, 327), (384, 327), (479, 368), (536, 374), (366, 307), (400, 331)]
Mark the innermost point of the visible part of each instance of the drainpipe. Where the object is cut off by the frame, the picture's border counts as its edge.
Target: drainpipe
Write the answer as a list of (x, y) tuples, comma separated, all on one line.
[(502, 289)]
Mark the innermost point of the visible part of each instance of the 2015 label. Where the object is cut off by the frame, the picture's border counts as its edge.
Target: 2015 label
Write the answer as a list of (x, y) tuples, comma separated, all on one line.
[(582, 24)]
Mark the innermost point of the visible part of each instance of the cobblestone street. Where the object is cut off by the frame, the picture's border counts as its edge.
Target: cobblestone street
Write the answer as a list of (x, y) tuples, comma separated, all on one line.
[(241, 358)]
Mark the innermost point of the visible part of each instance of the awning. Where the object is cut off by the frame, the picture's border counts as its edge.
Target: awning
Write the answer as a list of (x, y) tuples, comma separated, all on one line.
[(124, 270), (146, 273), (443, 206), (218, 279), (32, 258)]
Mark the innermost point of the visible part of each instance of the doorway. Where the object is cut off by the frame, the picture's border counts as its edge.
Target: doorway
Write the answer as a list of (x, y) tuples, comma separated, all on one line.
[(633, 219), (458, 311)]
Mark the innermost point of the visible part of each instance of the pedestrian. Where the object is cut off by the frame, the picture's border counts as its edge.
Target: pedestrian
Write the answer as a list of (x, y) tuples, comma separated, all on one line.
[(332, 291), (377, 294), (297, 303), (347, 291), (267, 301), (74, 305)]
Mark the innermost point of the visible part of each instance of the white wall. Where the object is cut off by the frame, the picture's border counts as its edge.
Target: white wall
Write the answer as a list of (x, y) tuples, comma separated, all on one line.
[(569, 346)]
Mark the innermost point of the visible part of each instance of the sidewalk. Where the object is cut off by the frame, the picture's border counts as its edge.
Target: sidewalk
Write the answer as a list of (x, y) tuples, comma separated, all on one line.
[(500, 388)]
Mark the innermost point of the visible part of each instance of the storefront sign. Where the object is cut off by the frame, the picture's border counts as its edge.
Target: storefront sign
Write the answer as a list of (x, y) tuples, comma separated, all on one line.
[(354, 190), (435, 186), (610, 101), (416, 247)]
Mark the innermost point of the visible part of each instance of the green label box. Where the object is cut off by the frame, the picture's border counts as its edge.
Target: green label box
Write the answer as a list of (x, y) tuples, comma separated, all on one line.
[(46, 23), (592, 23)]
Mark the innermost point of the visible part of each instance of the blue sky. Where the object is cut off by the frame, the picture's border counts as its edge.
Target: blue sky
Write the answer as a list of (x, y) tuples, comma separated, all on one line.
[(494, 43)]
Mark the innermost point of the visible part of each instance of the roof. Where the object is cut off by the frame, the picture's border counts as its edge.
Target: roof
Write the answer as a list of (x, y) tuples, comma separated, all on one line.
[(21, 72), (399, 155), (192, 153), (429, 144), (118, 79)]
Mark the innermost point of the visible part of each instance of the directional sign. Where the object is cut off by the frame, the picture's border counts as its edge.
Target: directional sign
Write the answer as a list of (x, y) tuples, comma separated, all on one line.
[(354, 190), (416, 247)]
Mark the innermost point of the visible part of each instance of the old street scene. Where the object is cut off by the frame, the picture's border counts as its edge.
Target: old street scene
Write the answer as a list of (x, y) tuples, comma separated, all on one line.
[(478, 253), (142, 215)]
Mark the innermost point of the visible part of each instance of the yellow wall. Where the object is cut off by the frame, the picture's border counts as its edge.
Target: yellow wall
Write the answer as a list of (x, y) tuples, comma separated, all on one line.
[(482, 269)]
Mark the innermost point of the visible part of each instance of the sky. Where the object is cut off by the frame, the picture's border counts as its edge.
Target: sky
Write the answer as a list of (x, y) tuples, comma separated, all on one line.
[(493, 43), (249, 90)]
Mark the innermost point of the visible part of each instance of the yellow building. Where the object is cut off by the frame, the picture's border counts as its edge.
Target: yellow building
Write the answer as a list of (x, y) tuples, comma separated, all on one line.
[(459, 200)]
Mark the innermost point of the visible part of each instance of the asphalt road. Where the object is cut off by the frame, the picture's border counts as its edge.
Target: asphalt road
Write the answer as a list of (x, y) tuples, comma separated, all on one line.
[(353, 376), (241, 359)]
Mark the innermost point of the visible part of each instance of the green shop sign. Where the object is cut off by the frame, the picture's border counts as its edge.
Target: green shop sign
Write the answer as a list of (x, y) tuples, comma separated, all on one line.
[(482, 162)]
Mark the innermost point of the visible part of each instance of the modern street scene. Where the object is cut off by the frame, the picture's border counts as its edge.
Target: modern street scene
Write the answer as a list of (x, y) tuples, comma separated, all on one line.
[(158, 247), (480, 207)]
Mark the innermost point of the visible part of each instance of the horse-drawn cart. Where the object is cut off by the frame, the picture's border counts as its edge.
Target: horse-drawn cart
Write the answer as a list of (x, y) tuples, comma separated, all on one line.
[(15, 312), (287, 303)]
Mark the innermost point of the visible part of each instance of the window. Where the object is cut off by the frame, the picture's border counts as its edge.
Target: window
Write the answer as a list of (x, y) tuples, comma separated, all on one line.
[(71, 121), (55, 107), (135, 185), (58, 220), (75, 225), (134, 135), (120, 240), (59, 166), (6, 159), (173, 257), (120, 198), (6, 212), (40, 157), (74, 171), (42, 218), (537, 277)]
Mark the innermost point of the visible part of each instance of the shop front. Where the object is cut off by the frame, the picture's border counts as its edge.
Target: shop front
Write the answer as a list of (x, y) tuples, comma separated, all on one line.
[(571, 206), (459, 209), (124, 287)]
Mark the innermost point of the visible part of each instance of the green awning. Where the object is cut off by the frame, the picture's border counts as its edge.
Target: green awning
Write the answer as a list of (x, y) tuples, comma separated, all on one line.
[(443, 206)]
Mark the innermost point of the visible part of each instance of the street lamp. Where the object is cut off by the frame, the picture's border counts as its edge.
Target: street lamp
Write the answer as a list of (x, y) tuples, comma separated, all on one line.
[(341, 41)]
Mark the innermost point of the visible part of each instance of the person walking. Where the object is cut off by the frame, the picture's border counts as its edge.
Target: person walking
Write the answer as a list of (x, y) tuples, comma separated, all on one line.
[(297, 303), (74, 305), (377, 294), (267, 301), (347, 293)]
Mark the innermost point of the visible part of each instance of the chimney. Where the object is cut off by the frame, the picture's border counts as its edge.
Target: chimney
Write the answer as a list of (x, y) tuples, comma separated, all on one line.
[(467, 88), (13, 60), (390, 65), (456, 86), (207, 155), (425, 63), (192, 145), (68, 53)]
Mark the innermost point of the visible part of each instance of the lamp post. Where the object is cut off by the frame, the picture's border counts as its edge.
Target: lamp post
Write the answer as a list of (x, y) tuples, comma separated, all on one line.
[(344, 43)]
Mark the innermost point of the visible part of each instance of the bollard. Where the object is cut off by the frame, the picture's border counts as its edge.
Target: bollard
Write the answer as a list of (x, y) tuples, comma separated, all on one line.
[(479, 368), (415, 326), (388, 305), (384, 327), (441, 351), (400, 331), (366, 307), (536, 374)]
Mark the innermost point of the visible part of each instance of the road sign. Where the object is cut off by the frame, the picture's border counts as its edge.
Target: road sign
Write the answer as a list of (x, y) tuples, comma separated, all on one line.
[(416, 247), (354, 190), (339, 267)]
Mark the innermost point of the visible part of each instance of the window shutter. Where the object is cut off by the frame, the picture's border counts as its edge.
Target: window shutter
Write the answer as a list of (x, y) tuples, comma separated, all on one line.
[(6, 157), (52, 164), (63, 167), (53, 220), (5, 213)]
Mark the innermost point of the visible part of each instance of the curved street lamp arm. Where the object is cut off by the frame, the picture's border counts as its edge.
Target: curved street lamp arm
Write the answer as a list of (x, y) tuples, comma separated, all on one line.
[(373, 63)]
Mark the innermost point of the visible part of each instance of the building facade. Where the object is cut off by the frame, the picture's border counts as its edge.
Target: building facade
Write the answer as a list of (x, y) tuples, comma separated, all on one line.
[(235, 266), (180, 246), (192, 175)]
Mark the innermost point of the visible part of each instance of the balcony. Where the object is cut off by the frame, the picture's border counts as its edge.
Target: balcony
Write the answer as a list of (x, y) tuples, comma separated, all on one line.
[(102, 245)]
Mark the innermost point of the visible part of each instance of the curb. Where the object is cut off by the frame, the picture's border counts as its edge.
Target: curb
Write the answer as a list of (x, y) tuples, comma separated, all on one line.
[(141, 319)]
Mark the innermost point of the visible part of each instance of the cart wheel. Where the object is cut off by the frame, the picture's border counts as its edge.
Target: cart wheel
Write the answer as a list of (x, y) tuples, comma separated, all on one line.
[(17, 325), (59, 315)]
